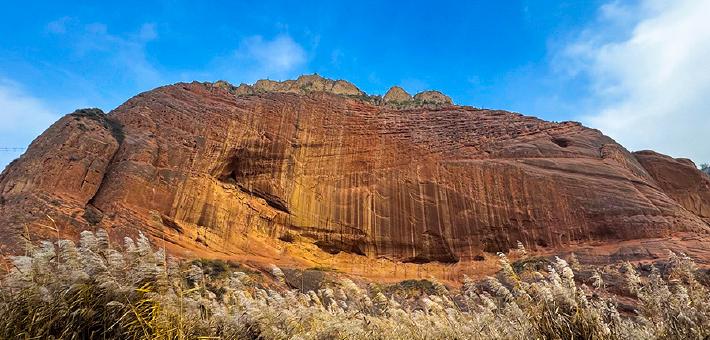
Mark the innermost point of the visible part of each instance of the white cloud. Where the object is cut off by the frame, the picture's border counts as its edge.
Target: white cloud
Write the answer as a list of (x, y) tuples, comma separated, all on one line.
[(336, 56), (58, 26), (258, 58), (124, 54), (23, 118), (148, 32), (277, 56), (652, 85), (127, 61)]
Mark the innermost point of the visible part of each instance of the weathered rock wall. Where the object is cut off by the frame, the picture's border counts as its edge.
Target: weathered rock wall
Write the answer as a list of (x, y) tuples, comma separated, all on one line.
[(681, 180), (204, 166)]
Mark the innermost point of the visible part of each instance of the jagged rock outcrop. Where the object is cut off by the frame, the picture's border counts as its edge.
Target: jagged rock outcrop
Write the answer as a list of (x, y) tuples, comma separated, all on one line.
[(303, 85), (433, 97), (397, 94), (221, 170), (680, 179)]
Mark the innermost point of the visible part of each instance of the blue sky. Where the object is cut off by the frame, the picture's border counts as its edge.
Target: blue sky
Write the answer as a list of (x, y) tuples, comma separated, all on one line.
[(630, 68)]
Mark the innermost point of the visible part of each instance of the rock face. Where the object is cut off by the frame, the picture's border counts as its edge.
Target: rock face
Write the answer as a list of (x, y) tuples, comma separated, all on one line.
[(680, 179), (221, 170), (303, 85), (433, 97), (397, 94)]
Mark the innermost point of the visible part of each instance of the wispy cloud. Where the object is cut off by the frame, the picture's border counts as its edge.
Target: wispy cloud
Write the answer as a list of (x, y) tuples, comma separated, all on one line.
[(256, 58), (336, 57), (23, 117), (278, 56), (58, 26), (125, 54), (650, 86), (113, 63), (414, 85)]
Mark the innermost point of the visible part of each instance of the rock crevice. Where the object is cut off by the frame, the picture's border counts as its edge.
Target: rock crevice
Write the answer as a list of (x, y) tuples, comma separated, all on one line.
[(344, 173)]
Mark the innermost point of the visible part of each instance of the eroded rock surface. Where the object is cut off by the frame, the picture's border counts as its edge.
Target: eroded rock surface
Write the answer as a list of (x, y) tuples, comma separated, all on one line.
[(55, 181), (206, 168), (433, 97), (681, 180), (397, 94), (303, 85)]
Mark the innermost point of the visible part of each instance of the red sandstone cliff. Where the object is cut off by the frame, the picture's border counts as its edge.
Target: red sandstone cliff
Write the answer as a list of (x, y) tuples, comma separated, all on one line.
[(218, 170)]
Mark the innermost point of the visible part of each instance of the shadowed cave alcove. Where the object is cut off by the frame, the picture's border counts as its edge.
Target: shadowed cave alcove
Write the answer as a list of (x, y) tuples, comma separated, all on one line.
[(561, 142), (254, 170)]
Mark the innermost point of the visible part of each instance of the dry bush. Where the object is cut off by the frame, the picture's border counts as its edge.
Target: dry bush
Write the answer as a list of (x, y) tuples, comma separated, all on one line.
[(94, 290)]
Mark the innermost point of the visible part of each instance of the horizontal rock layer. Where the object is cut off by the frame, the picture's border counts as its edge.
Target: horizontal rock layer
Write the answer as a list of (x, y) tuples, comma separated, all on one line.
[(204, 166)]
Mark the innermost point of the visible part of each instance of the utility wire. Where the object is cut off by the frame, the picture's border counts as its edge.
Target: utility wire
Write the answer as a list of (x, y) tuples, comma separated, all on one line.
[(7, 149)]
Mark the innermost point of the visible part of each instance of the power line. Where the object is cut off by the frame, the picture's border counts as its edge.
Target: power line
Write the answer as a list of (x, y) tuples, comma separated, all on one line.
[(7, 149)]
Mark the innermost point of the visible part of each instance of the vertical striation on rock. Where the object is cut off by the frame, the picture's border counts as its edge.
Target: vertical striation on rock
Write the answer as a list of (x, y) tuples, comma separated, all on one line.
[(205, 166), (58, 176), (681, 180)]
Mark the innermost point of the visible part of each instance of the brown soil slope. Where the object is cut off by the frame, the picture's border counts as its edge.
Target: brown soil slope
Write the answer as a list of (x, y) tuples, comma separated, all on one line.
[(217, 170)]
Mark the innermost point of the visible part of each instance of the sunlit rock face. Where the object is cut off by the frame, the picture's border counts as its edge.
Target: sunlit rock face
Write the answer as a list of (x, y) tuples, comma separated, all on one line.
[(204, 166), (397, 94)]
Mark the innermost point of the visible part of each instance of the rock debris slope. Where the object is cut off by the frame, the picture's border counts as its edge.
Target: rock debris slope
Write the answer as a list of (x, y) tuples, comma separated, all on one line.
[(208, 167)]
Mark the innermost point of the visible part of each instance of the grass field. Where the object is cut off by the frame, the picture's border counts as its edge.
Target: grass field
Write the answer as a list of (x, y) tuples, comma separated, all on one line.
[(99, 291)]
